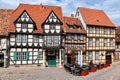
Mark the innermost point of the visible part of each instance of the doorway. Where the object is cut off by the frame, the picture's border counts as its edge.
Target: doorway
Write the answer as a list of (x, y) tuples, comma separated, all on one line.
[(108, 59), (71, 59), (51, 58)]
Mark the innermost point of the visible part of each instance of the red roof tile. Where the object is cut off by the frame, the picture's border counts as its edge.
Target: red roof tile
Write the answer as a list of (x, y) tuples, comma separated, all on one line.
[(5, 16), (95, 17), (38, 13), (117, 33), (72, 21)]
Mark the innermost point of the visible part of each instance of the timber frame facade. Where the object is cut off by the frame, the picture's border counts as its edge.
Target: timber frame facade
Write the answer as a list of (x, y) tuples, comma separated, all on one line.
[(100, 42), (41, 35)]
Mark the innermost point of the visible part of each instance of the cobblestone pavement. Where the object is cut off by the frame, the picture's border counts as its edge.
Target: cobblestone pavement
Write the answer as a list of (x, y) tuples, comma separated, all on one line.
[(53, 73)]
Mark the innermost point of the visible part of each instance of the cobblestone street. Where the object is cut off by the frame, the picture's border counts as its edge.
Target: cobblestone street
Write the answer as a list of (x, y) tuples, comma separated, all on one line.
[(53, 73)]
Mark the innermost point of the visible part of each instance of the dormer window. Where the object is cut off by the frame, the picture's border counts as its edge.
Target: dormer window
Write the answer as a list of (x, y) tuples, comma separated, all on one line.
[(71, 26), (78, 27)]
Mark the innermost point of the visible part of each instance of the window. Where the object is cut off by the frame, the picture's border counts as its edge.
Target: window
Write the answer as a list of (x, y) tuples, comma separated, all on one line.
[(97, 30), (111, 42), (24, 26), (90, 56), (78, 27), (96, 55), (49, 40), (71, 26), (56, 40), (81, 46), (52, 27), (90, 29), (69, 36), (90, 42), (75, 46), (24, 38), (52, 16), (105, 42), (40, 55), (18, 55), (21, 55), (75, 37), (111, 31), (97, 42), (105, 30), (81, 37), (69, 46), (35, 38), (18, 38)]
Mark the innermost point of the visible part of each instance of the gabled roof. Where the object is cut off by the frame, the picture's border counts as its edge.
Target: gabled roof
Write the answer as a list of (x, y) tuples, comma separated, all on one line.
[(38, 13), (5, 16), (95, 17), (72, 21), (117, 34)]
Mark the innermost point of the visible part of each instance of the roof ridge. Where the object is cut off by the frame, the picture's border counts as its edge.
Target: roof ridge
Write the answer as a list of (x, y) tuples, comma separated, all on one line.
[(91, 8)]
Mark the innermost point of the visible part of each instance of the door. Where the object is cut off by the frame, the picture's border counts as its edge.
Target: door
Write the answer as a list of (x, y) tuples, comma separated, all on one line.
[(51, 60), (108, 59), (1, 59)]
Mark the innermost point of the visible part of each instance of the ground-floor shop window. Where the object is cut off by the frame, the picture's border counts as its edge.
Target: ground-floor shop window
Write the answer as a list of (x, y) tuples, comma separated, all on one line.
[(21, 55)]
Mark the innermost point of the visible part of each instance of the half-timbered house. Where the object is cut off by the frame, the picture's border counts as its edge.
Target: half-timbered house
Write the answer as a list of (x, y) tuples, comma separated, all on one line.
[(100, 31), (75, 39), (35, 35)]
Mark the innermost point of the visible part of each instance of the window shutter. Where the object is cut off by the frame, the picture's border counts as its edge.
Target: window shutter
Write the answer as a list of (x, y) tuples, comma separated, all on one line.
[(15, 55), (27, 55)]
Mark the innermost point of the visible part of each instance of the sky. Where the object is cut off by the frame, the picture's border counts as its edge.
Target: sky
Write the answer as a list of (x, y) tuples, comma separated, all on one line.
[(111, 7)]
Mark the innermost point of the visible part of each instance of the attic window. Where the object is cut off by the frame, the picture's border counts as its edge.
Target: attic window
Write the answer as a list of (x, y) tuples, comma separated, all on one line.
[(78, 27), (71, 26)]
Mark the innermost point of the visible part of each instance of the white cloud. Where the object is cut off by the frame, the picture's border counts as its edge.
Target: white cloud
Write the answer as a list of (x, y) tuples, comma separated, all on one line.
[(111, 7)]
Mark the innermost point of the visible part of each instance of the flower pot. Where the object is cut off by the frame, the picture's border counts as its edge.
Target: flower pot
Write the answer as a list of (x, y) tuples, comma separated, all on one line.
[(83, 73), (92, 69)]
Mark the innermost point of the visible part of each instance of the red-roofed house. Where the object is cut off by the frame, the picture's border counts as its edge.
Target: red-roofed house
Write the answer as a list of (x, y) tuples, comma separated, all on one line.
[(35, 35), (100, 45), (75, 36)]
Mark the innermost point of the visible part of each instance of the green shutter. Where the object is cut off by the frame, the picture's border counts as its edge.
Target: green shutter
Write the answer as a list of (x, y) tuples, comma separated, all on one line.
[(15, 55), (27, 55)]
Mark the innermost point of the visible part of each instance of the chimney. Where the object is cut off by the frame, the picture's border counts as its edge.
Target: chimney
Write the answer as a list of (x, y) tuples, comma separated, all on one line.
[(72, 15)]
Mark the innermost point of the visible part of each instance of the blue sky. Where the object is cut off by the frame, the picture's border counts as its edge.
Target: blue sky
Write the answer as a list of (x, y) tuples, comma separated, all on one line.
[(111, 7)]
